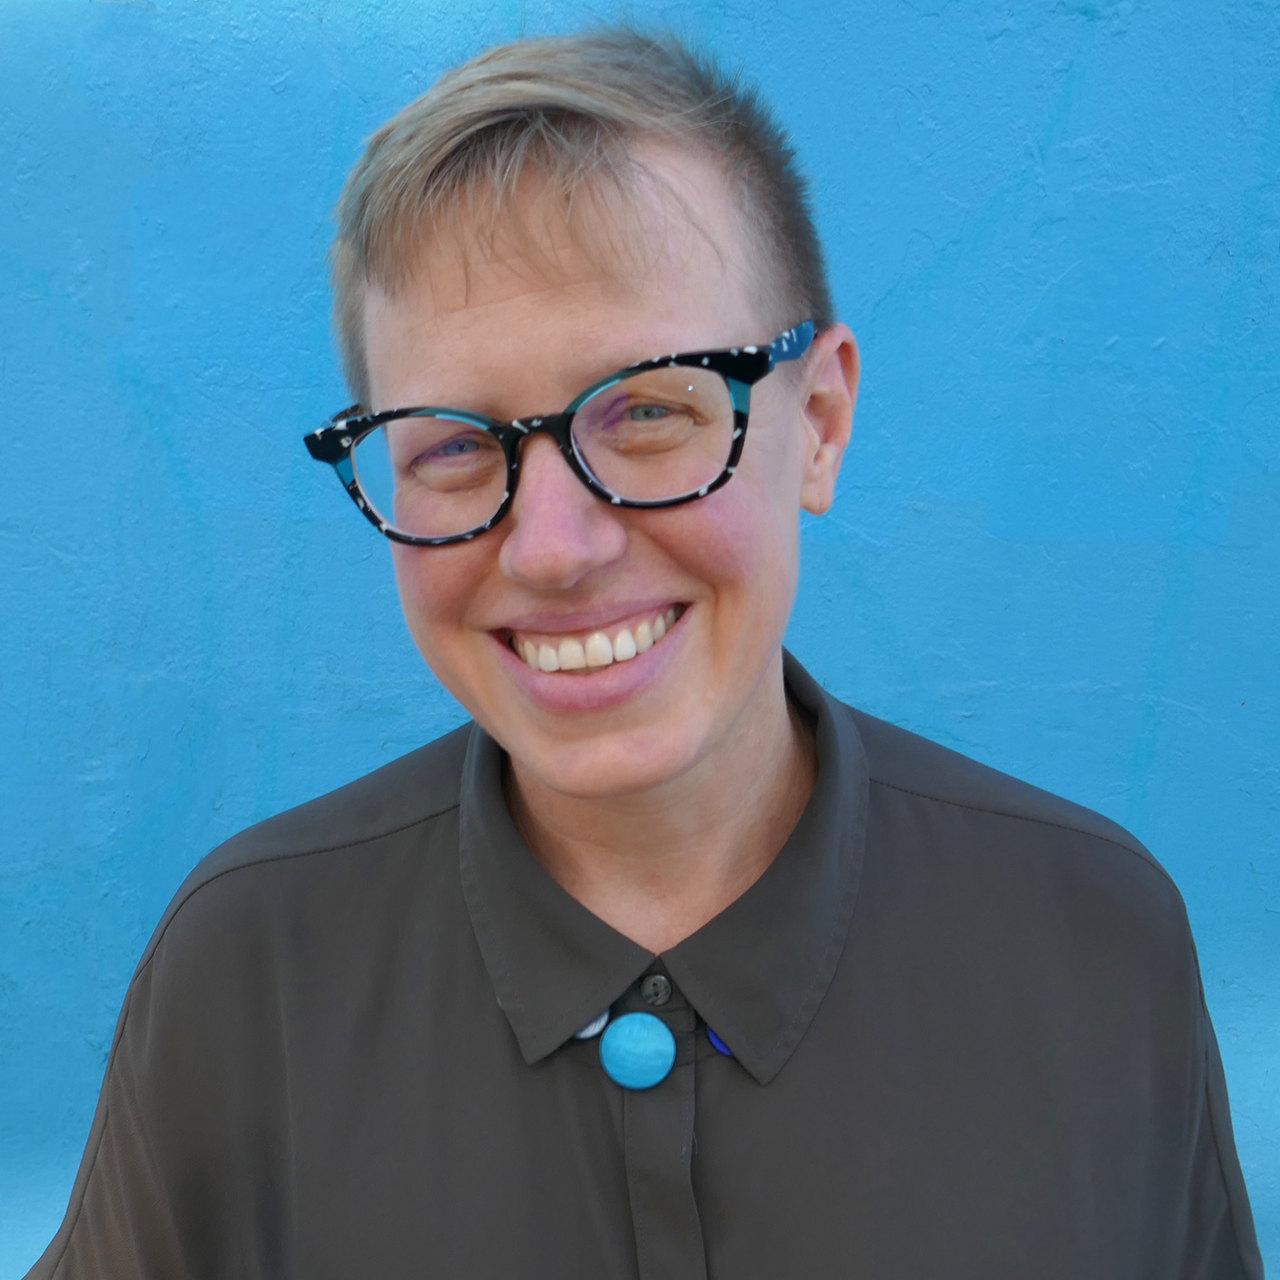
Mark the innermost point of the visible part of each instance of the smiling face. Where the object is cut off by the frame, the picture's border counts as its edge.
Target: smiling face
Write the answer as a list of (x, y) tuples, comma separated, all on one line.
[(690, 602)]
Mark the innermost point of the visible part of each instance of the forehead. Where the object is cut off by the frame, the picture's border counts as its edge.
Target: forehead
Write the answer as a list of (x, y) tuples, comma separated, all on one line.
[(569, 291)]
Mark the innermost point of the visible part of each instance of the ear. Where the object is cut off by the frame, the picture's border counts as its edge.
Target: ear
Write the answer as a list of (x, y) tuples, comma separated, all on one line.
[(830, 392)]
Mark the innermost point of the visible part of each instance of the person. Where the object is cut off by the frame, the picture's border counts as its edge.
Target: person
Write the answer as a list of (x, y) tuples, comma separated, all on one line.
[(668, 964)]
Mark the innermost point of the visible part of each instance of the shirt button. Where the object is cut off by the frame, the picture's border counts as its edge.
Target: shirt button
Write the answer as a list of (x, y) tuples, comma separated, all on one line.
[(656, 989)]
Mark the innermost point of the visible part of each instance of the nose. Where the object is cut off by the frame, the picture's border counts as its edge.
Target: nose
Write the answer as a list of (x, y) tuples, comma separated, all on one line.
[(557, 532)]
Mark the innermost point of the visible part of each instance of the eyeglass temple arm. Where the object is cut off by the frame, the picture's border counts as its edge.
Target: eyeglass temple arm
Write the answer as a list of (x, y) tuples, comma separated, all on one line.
[(328, 443), (792, 344)]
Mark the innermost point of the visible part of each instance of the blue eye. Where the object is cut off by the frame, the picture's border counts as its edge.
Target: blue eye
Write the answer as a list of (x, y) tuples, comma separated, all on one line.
[(647, 412), (455, 448), (464, 447), (610, 415)]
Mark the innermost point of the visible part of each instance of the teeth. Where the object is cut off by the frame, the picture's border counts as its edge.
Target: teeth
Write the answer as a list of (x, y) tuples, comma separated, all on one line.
[(624, 646), (572, 655), (596, 650)]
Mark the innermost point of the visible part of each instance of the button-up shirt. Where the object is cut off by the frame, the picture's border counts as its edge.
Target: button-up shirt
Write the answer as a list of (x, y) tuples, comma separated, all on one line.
[(961, 1033)]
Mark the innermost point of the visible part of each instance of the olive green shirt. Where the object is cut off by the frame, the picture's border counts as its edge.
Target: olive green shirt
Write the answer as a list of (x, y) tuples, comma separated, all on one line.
[(967, 1030)]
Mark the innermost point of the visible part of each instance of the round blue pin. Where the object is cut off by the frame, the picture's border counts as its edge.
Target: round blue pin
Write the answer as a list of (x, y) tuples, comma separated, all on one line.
[(719, 1044), (637, 1050)]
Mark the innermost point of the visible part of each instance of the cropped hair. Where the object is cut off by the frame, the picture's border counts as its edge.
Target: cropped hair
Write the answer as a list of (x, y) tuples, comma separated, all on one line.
[(568, 109)]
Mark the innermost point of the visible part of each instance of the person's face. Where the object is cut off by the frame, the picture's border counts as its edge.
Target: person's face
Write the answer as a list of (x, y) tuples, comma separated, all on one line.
[(488, 331)]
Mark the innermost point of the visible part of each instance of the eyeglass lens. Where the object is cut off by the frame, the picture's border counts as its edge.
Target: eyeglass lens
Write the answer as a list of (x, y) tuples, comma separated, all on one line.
[(650, 436)]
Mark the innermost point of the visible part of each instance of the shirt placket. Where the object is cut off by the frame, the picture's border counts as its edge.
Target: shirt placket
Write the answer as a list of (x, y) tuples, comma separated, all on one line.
[(658, 1139)]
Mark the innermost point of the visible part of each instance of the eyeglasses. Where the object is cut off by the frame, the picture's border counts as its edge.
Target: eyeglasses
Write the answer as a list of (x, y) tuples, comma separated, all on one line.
[(654, 434)]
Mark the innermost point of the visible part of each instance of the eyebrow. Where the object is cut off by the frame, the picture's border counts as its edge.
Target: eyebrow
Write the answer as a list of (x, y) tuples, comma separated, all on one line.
[(484, 406)]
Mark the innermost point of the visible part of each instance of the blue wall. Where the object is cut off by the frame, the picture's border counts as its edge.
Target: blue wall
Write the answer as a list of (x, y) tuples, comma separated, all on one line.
[(1055, 229)]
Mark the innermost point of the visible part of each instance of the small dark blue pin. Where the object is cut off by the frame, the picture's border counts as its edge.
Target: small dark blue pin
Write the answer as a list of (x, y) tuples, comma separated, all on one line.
[(718, 1044)]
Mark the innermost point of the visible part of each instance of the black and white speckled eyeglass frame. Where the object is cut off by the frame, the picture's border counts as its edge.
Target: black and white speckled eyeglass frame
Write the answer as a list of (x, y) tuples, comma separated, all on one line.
[(741, 368)]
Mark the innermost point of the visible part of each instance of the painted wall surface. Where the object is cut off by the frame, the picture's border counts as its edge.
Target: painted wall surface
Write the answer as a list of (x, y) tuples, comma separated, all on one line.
[(1055, 228)]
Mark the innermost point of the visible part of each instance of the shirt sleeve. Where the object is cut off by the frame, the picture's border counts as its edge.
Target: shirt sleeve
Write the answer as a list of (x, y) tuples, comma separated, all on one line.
[(119, 1221), (1219, 1239)]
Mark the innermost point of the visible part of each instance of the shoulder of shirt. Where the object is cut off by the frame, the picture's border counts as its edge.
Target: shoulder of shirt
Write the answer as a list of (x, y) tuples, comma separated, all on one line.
[(916, 766), (408, 792)]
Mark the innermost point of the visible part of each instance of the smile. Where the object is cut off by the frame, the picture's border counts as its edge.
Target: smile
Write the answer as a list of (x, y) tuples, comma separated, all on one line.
[(594, 650)]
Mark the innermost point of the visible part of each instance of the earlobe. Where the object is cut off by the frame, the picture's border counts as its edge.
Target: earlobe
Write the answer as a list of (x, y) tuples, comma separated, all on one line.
[(831, 393)]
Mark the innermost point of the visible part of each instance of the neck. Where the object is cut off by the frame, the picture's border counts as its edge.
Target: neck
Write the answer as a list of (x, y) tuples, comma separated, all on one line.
[(659, 864)]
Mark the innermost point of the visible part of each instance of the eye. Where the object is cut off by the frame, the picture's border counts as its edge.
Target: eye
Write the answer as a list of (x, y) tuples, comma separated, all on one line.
[(454, 448), (462, 449), (647, 412)]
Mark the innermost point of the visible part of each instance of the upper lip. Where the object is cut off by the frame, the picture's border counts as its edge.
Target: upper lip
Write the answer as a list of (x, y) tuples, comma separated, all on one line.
[(598, 619)]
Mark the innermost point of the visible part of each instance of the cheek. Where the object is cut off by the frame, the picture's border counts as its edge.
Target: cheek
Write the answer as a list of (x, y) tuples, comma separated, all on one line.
[(436, 586), (743, 541)]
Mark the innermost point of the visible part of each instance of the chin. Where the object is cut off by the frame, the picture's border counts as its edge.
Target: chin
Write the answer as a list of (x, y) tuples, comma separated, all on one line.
[(613, 767)]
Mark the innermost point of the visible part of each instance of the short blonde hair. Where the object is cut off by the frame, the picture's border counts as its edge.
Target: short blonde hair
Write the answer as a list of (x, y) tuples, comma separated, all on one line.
[(567, 107)]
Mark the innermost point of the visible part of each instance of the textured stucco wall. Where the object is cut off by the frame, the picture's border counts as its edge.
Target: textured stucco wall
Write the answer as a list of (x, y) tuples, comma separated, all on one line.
[(1055, 228)]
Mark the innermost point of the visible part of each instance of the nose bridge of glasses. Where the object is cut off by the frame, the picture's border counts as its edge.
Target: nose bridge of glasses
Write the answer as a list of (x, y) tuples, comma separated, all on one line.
[(556, 425)]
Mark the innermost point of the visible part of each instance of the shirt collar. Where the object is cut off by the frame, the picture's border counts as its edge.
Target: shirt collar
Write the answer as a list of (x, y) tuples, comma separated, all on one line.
[(756, 972)]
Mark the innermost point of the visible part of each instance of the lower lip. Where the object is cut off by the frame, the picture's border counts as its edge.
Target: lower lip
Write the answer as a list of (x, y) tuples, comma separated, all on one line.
[(608, 687)]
